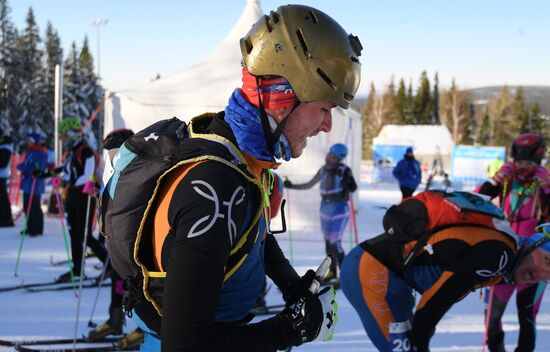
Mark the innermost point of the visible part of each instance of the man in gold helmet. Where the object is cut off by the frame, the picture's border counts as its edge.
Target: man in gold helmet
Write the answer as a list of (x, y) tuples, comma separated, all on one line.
[(208, 220)]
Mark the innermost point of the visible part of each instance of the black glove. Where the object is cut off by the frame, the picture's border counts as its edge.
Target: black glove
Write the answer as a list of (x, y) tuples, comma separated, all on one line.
[(299, 289), (314, 317), (38, 174), (287, 183)]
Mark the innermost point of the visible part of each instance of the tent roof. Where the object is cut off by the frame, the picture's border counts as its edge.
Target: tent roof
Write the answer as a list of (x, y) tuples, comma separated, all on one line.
[(192, 86), (425, 138)]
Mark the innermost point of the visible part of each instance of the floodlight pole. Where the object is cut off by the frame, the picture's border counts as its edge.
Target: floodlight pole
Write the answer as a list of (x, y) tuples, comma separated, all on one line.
[(98, 23)]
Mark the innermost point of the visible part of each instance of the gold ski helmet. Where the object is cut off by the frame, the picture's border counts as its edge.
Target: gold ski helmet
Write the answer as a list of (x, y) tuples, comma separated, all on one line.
[(309, 49)]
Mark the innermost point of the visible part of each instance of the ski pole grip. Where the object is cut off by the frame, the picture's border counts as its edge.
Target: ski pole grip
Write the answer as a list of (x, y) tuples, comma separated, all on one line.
[(320, 273)]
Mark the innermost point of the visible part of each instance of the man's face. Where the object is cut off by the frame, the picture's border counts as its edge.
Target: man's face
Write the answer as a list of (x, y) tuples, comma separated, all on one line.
[(535, 267), (307, 120)]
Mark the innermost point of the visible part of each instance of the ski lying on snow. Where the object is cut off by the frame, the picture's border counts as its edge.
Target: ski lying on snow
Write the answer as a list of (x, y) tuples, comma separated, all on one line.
[(62, 286), (41, 284), (28, 342), (81, 347), (65, 261)]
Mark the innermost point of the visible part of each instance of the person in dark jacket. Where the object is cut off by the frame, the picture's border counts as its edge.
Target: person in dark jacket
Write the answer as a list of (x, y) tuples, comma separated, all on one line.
[(6, 151), (36, 161), (408, 173), (337, 182), (78, 170)]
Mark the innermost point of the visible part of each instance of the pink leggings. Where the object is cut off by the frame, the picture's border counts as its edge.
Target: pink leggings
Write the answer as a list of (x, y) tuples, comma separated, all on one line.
[(528, 300)]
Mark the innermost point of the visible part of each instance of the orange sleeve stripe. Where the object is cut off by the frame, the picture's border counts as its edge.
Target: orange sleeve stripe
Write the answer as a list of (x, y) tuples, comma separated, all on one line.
[(446, 275), (161, 226), (373, 278)]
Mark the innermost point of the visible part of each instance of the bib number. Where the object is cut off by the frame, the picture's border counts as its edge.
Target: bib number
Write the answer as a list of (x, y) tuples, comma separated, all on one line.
[(399, 337)]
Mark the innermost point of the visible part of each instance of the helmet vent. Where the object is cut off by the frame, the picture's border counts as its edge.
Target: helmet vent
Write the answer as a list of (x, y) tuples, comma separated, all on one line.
[(312, 16), (275, 16), (248, 45), (325, 78), (269, 23), (355, 44), (303, 43)]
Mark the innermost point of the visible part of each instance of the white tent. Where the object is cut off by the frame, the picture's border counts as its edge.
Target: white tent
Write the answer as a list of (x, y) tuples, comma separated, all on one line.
[(426, 139), (219, 74)]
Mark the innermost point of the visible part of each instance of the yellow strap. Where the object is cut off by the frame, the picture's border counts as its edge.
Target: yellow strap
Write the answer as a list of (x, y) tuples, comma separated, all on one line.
[(159, 274)]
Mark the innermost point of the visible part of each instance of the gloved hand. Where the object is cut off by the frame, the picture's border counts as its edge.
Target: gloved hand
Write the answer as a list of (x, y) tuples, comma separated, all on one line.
[(506, 171), (299, 289), (287, 183), (39, 174), (542, 176), (314, 317), (89, 188)]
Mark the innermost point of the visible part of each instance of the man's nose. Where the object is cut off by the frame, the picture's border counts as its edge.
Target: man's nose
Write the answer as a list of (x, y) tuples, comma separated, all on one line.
[(326, 126)]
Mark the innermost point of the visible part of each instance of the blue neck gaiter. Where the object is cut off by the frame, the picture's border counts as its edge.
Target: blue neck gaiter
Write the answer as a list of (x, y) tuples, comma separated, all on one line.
[(244, 120)]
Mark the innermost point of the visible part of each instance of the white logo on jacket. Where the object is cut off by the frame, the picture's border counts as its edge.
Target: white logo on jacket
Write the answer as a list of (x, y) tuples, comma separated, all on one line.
[(502, 265), (152, 136), (207, 191)]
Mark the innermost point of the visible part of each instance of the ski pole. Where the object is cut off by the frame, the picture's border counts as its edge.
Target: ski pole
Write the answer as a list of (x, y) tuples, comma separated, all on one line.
[(487, 318), (24, 231), (320, 273), (354, 220), (82, 263), (101, 278), (289, 229), (56, 182)]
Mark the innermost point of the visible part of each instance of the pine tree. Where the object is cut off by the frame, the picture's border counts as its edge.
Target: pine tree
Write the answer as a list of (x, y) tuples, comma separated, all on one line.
[(467, 136), (388, 113), (519, 118), (410, 116), (30, 74), (45, 104), (423, 101), (483, 133), (369, 122), (435, 111), (74, 99), (9, 60), (91, 88), (401, 103), (500, 112)]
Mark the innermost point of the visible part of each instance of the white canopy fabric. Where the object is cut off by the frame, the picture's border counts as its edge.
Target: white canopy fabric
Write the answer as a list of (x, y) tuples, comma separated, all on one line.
[(426, 139), (219, 74)]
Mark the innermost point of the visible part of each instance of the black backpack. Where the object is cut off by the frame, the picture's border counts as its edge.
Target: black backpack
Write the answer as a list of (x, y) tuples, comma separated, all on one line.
[(129, 193)]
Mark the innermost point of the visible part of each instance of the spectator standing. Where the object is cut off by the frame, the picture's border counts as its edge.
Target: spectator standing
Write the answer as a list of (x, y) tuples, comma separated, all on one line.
[(408, 173), (35, 162)]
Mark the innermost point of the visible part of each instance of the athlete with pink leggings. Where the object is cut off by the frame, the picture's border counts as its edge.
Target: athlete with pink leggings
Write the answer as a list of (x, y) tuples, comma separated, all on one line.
[(524, 190)]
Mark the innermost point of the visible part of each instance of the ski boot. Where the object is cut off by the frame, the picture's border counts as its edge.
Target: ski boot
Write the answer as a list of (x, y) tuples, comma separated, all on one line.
[(113, 326), (132, 341), (67, 277)]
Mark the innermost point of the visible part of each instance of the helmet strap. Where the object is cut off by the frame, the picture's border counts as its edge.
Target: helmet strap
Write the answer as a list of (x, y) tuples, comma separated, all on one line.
[(271, 136)]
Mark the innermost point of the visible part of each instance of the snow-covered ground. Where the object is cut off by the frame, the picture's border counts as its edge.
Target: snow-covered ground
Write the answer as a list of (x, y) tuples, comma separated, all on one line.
[(47, 314)]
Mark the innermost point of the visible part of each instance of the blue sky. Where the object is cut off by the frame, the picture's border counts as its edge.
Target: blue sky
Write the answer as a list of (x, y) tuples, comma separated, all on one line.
[(478, 42)]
